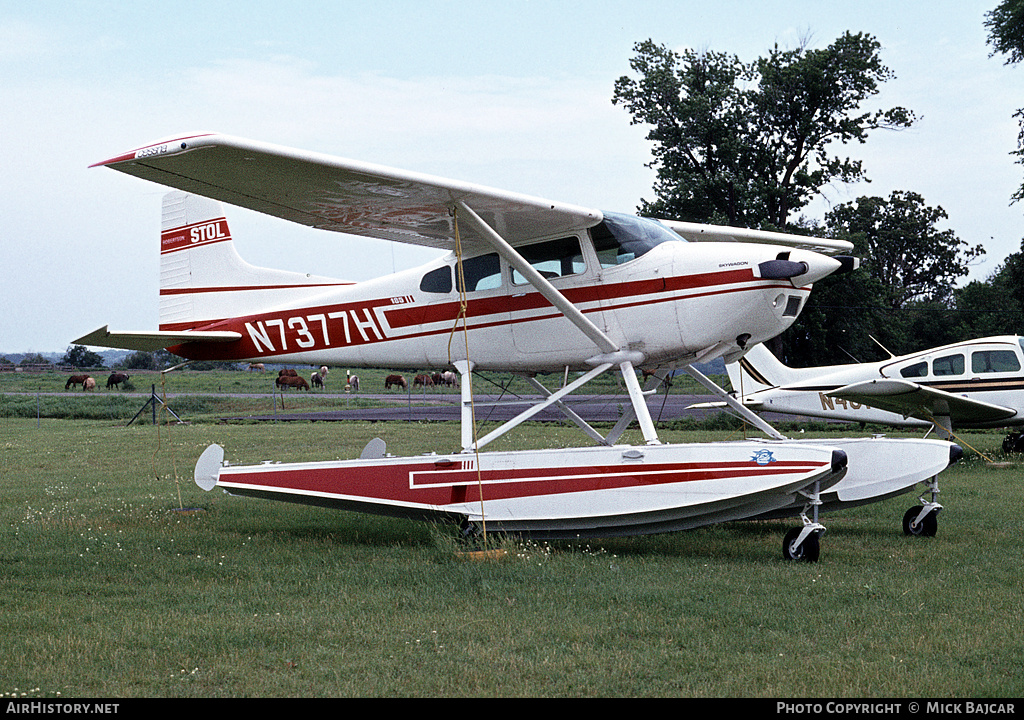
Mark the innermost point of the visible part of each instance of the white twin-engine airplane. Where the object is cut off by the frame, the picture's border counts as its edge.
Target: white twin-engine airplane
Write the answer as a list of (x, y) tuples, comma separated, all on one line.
[(972, 384), (528, 286)]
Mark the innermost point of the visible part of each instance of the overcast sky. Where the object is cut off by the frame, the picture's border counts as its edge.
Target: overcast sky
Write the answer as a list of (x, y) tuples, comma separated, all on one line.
[(515, 95)]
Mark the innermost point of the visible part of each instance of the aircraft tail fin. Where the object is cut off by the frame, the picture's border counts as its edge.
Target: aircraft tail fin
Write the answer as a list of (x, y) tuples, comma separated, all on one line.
[(757, 370), (202, 277)]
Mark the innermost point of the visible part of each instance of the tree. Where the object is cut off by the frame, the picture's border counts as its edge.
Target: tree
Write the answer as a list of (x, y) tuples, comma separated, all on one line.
[(34, 359), (900, 297), (749, 144), (987, 308), (81, 357), (140, 360), (995, 306), (902, 248), (1005, 25)]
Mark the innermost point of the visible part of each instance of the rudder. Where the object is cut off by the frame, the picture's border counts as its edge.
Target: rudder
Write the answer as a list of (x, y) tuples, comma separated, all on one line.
[(203, 279), (757, 370)]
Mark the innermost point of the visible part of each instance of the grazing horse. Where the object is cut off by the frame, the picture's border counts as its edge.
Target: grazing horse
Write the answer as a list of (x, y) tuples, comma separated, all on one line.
[(76, 380), (449, 378), (257, 367), (353, 383), (115, 379), (396, 380), (89, 384), (423, 380), (318, 378), (292, 381)]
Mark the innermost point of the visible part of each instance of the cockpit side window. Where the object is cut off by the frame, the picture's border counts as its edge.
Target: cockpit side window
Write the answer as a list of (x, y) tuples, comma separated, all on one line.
[(552, 259), (918, 369), (620, 238), (482, 272), (990, 361)]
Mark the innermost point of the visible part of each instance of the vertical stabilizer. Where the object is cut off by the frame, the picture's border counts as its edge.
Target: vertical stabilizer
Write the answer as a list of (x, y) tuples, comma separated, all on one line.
[(757, 370), (202, 277)]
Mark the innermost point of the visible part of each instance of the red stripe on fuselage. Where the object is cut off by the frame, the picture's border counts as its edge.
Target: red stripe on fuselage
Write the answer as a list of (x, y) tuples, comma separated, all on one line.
[(400, 314), (447, 311)]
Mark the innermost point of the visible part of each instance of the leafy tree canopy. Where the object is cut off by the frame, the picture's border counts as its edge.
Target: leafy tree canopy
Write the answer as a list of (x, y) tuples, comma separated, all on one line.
[(749, 144), (81, 357), (902, 247), (1005, 25), (901, 295)]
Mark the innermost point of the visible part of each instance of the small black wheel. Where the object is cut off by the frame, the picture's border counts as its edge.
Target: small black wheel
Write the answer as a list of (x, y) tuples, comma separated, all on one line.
[(926, 528), (807, 551)]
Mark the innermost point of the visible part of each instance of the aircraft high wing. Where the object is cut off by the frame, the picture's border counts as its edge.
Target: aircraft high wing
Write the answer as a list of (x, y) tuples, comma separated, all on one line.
[(341, 195), (528, 285)]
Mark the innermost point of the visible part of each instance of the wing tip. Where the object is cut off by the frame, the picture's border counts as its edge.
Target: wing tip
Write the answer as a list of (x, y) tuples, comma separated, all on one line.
[(166, 146)]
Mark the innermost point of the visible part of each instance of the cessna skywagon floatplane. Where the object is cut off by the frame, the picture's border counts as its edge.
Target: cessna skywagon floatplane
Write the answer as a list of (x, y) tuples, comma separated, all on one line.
[(528, 286)]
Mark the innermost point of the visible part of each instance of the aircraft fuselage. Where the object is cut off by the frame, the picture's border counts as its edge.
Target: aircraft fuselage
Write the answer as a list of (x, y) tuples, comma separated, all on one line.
[(676, 300)]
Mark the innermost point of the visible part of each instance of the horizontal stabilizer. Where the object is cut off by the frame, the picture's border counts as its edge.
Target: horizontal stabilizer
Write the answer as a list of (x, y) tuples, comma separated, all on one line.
[(151, 340), (716, 405), (921, 402)]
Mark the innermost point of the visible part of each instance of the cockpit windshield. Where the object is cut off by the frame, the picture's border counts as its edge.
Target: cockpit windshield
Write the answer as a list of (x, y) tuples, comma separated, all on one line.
[(620, 238)]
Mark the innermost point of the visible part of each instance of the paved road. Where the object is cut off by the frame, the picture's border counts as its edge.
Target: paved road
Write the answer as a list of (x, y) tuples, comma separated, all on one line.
[(593, 408), (418, 406)]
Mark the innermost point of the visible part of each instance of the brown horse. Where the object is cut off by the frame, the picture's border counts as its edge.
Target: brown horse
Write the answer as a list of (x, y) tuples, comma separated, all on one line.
[(289, 381), (423, 380), (115, 379), (76, 380), (396, 380)]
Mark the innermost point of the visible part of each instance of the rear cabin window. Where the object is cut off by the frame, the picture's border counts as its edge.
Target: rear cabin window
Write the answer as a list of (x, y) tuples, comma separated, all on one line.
[(948, 365), (991, 361), (437, 281), (552, 259)]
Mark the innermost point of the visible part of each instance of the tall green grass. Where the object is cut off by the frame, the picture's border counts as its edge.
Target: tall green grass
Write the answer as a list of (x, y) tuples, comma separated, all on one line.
[(108, 588)]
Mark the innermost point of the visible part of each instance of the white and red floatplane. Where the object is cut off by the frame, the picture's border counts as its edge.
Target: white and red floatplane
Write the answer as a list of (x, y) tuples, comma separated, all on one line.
[(528, 285)]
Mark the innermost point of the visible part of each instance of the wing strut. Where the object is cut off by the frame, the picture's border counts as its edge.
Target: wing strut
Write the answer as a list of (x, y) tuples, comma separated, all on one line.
[(545, 288), (744, 412), (610, 355)]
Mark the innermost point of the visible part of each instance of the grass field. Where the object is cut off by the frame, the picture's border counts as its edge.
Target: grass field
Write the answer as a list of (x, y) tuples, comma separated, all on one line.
[(120, 578)]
